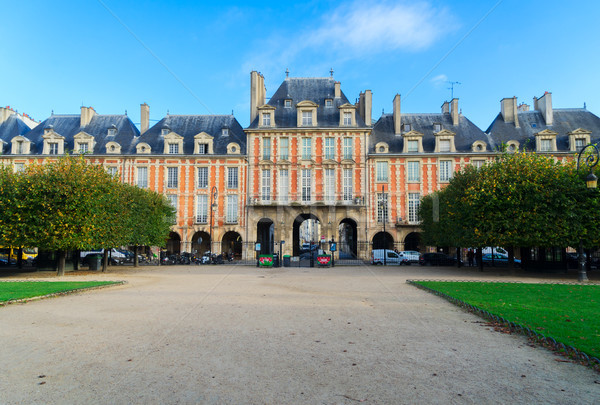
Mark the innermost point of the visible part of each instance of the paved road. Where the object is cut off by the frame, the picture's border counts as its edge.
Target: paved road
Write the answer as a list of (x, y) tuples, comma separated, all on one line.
[(240, 335)]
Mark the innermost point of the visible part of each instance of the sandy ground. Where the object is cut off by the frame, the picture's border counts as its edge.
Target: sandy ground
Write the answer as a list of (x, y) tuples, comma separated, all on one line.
[(240, 335)]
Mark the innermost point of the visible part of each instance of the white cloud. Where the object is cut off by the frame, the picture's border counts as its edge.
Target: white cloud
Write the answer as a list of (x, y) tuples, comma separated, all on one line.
[(439, 80)]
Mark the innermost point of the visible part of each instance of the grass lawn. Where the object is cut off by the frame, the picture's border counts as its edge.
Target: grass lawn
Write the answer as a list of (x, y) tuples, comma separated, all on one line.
[(567, 313), (14, 290)]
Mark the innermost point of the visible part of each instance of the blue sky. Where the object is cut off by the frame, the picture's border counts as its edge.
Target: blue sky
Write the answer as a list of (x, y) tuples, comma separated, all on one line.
[(195, 57)]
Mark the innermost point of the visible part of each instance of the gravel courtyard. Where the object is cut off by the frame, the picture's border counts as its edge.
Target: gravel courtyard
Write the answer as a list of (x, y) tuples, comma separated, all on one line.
[(243, 335)]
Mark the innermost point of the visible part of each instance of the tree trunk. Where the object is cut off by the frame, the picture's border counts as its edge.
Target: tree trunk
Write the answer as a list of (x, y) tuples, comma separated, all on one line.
[(479, 259), (135, 256), (62, 256), (458, 257), (105, 260), (20, 258)]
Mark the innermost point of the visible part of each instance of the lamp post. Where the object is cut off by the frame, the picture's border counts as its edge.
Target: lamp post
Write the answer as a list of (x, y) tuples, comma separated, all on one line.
[(213, 205), (590, 160)]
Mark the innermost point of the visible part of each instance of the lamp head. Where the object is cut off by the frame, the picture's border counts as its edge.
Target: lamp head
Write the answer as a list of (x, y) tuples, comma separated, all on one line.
[(591, 180)]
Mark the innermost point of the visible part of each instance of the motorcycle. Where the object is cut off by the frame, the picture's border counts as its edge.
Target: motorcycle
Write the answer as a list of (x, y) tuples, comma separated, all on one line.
[(206, 258)]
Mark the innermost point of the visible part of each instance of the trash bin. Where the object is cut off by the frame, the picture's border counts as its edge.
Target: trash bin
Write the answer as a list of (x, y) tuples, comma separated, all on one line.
[(286, 260), (95, 262), (275, 260)]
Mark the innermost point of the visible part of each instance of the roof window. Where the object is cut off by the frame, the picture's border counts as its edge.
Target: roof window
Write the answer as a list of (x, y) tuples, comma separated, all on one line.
[(328, 102), (288, 103)]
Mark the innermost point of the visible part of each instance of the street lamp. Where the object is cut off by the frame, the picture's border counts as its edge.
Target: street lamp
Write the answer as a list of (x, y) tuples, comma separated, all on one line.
[(213, 206), (590, 160)]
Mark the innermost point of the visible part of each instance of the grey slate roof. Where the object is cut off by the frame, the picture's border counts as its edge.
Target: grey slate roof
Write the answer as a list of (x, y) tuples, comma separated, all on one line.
[(564, 120), (312, 89), (69, 126), (190, 125), (466, 132), (13, 126)]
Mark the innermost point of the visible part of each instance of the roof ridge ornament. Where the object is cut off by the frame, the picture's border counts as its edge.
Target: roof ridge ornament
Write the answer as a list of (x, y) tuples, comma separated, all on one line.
[(287, 73)]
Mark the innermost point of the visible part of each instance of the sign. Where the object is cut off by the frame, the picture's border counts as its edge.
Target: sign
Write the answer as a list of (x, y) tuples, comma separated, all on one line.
[(322, 239), (333, 246), (282, 242), (323, 260), (257, 247)]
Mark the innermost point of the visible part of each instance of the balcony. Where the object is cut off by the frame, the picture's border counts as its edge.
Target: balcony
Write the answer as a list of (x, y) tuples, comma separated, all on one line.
[(317, 199)]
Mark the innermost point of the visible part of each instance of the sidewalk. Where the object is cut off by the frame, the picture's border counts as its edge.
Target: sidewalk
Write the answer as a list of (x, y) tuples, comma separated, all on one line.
[(242, 335)]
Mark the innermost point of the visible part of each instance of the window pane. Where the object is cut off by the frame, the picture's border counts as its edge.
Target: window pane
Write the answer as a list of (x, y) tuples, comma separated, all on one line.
[(329, 148), (347, 118), (413, 171), (306, 184), (306, 148), (444, 145), (413, 207), (266, 148), (445, 170), (232, 177), (413, 146), (347, 150), (347, 184), (173, 148), (284, 149), (232, 209), (266, 185), (382, 171), (202, 177), (202, 209), (284, 185), (382, 207), (172, 178), (329, 185), (142, 177), (306, 118)]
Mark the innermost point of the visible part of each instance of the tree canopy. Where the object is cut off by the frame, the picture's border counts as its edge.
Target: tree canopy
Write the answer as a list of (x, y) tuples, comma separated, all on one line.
[(70, 204)]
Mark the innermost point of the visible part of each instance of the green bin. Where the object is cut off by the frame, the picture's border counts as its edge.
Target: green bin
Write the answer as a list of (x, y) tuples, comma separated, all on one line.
[(95, 262), (286, 261)]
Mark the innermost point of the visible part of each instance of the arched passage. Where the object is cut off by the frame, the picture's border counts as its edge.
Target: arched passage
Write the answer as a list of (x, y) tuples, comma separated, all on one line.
[(383, 240), (173, 243), (232, 243), (265, 230), (347, 236), (412, 241), (306, 229), (200, 242)]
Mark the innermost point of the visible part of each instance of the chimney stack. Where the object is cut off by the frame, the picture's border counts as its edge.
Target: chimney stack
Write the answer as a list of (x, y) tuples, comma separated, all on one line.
[(544, 104), (87, 113), (509, 110), (258, 93), (144, 118), (5, 112), (368, 105), (397, 116), (454, 111), (338, 91), (446, 108)]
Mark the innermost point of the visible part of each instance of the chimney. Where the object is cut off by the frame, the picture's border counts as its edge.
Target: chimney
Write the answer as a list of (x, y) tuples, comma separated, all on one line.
[(87, 113), (144, 118), (368, 106), (544, 104), (535, 104), (338, 91), (509, 111), (397, 117), (257, 93), (446, 108), (522, 107), (454, 111), (5, 112), (360, 105)]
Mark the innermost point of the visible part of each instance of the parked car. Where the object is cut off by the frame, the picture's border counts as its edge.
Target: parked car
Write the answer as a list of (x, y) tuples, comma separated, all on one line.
[(411, 255), (437, 259), (391, 258), (116, 257), (498, 260)]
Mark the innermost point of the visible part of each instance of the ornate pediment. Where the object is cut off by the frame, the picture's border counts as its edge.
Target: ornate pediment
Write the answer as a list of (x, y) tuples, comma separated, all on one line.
[(546, 132), (307, 103), (412, 133), (445, 132)]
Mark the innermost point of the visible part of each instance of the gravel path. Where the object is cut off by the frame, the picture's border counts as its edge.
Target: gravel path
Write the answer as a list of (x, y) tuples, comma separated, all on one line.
[(240, 335)]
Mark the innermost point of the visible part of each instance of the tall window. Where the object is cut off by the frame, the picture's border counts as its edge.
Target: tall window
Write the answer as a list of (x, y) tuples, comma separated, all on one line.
[(202, 208), (412, 169), (347, 148), (202, 148), (306, 118), (202, 177), (266, 119), (382, 171), (382, 208), (445, 170), (444, 145), (53, 148), (265, 194), (413, 207), (347, 118), (142, 177), (231, 215), (347, 182), (266, 149), (172, 177), (579, 144), (19, 147), (329, 185), (330, 148), (19, 167), (545, 145), (306, 148), (306, 184), (173, 200), (112, 170), (284, 185), (84, 147), (412, 146), (232, 177), (478, 163), (173, 148), (284, 148)]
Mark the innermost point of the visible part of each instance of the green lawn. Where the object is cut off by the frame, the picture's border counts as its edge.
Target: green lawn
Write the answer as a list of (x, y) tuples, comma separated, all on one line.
[(567, 313), (14, 290)]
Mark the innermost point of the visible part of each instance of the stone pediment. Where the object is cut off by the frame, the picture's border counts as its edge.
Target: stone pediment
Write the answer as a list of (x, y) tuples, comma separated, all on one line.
[(173, 136), (203, 136), (412, 133), (267, 107), (580, 131), (51, 134), (307, 103), (445, 132), (83, 136), (347, 105), (546, 132)]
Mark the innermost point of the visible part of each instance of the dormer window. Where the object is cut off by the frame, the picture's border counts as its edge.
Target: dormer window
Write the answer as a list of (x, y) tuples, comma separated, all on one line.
[(347, 118), (165, 131), (266, 119), (412, 146), (579, 144), (306, 113), (225, 131), (406, 127), (20, 145), (84, 147), (53, 148), (578, 139), (112, 131), (287, 103), (328, 102), (437, 127), (546, 141), (306, 118), (173, 148), (202, 148)]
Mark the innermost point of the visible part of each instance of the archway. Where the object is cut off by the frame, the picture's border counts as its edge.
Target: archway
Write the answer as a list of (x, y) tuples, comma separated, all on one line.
[(383, 240), (412, 241), (306, 229), (347, 239), (173, 243), (200, 242), (265, 230), (232, 243)]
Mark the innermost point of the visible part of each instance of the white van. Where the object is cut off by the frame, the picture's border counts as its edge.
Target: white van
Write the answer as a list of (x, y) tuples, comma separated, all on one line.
[(391, 258), (411, 255)]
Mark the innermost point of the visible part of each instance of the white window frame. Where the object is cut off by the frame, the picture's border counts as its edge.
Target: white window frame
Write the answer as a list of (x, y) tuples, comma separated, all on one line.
[(306, 148), (445, 145), (266, 119), (202, 208), (173, 148), (142, 177), (84, 147), (266, 149), (203, 148), (446, 171), (232, 177), (412, 146), (414, 200), (382, 208), (306, 182), (347, 118), (172, 177), (382, 172), (545, 145), (579, 144), (347, 184), (265, 194), (284, 148), (173, 200), (112, 170), (307, 118), (413, 171), (231, 213), (347, 150), (330, 148), (53, 148), (329, 185), (202, 177), (284, 185)]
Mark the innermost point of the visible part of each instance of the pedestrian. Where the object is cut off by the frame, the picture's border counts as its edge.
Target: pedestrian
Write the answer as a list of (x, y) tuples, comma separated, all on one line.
[(470, 257)]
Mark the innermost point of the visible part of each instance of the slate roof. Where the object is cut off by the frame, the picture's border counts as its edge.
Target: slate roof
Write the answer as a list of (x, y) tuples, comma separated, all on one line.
[(466, 132), (316, 90), (69, 126), (190, 125), (11, 127), (564, 120)]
